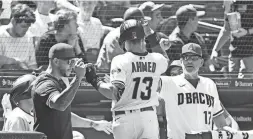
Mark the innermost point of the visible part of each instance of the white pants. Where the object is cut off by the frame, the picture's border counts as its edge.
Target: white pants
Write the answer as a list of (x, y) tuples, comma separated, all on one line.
[(136, 125)]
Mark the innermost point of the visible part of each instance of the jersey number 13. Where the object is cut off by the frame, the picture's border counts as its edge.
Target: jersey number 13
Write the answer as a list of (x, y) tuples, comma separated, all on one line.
[(148, 81)]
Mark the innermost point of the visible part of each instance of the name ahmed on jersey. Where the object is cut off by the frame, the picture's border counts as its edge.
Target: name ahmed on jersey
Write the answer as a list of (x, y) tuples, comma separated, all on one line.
[(143, 66)]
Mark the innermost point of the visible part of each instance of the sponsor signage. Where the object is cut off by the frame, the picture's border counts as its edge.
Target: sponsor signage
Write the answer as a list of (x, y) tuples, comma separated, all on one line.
[(234, 83)]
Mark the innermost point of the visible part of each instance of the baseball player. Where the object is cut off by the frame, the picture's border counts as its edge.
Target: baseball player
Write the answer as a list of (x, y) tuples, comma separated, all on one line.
[(136, 74), (191, 101), (20, 118), (133, 83)]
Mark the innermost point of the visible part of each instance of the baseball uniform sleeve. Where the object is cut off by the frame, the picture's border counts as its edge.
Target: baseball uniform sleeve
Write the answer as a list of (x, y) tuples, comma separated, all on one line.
[(163, 88), (162, 63), (16, 124), (118, 71), (217, 104)]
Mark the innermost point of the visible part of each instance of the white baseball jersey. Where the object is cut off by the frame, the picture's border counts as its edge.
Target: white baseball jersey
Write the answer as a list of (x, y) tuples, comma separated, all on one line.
[(189, 109), (19, 120), (139, 74)]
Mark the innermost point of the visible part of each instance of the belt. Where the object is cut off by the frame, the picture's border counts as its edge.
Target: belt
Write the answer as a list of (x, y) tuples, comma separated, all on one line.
[(141, 110)]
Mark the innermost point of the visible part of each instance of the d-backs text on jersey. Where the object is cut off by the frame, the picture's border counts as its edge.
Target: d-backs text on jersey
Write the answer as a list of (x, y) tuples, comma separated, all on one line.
[(143, 67), (195, 98)]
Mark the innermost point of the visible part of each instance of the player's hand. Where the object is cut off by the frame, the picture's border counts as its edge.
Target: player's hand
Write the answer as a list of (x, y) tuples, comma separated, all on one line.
[(147, 30), (6, 104), (165, 43), (103, 126), (107, 78), (91, 73), (241, 32), (80, 68)]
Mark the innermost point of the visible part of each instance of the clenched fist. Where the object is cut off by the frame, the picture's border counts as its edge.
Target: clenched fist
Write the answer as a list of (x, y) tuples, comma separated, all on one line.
[(80, 68)]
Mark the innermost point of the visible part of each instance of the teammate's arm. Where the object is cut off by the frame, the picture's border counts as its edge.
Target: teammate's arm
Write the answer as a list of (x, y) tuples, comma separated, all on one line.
[(153, 38), (106, 89), (78, 121), (220, 121), (110, 90), (223, 37), (61, 100), (218, 116)]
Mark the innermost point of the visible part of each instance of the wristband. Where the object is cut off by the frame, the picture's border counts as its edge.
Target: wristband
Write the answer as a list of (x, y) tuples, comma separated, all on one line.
[(153, 40), (96, 82)]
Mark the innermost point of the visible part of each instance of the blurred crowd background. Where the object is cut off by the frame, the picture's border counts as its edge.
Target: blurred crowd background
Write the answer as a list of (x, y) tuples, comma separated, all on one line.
[(30, 27)]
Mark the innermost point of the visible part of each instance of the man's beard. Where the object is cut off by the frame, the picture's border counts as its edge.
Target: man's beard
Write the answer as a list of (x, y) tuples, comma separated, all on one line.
[(63, 73)]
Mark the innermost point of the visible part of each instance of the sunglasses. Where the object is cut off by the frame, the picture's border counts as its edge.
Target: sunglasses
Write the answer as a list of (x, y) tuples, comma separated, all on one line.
[(190, 57), (25, 19), (71, 61)]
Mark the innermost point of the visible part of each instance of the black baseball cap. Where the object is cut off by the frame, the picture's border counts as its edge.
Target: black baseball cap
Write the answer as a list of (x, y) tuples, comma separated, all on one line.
[(62, 51), (21, 88), (192, 48)]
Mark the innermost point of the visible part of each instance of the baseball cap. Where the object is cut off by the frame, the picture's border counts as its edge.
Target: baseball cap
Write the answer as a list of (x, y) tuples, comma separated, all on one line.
[(130, 30), (192, 48), (187, 11), (133, 13), (62, 51), (174, 63), (149, 7), (21, 88)]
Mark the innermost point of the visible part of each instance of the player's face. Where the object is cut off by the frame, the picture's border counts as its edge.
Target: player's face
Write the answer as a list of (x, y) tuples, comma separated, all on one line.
[(191, 63), (195, 23), (88, 6), (156, 19), (66, 66), (21, 27), (72, 27)]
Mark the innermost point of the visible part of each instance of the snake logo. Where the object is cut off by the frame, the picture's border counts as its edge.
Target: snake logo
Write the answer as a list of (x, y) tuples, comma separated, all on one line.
[(245, 135)]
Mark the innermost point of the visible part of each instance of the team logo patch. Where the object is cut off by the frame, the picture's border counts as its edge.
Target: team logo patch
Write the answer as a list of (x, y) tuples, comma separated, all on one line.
[(117, 70), (134, 35), (229, 135), (190, 47), (245, 135)]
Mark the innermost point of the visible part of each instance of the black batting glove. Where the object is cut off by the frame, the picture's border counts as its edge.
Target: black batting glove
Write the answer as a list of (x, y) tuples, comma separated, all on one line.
[(91, 76)]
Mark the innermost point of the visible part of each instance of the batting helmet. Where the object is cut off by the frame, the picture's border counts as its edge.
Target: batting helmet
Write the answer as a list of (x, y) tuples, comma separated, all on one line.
[(22, 88), (131, 30)]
